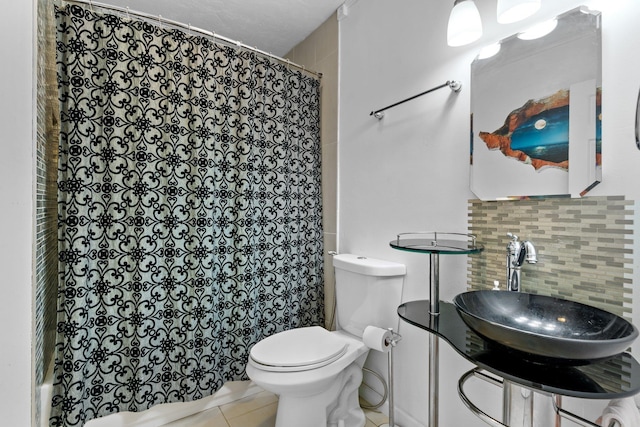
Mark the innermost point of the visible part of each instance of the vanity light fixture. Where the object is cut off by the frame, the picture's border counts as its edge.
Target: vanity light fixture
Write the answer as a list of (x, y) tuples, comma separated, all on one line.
[(539, 30), (516, 10), (465, 25), (489, 51)]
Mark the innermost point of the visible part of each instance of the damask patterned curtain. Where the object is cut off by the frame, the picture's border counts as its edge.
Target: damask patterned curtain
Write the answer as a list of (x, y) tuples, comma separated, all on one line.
[(189, 211)]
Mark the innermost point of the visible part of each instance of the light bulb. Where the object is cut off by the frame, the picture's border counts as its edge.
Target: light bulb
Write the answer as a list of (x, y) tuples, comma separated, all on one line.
[(489, 51), (465, 25)]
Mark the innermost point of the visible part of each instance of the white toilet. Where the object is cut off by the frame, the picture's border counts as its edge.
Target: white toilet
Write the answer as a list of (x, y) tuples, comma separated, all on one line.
[(317, 373)]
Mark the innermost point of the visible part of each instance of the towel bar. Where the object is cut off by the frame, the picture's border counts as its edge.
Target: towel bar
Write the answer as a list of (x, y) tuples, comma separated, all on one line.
[(472, 407), (555, 399), (563, 413)]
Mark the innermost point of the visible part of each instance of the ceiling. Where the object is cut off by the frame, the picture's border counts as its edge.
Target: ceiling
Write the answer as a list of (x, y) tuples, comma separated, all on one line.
[(274, 26)]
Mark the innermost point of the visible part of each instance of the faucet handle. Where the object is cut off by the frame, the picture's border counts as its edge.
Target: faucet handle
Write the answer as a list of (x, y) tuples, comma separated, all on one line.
[(532, 256), (513, 237)]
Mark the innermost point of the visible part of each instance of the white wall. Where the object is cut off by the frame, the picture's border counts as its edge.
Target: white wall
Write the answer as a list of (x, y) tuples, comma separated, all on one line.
[(410, 172), (16, 115)]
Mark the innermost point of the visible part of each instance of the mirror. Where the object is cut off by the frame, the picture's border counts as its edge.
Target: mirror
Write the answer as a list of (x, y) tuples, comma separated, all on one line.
[(536, 112)]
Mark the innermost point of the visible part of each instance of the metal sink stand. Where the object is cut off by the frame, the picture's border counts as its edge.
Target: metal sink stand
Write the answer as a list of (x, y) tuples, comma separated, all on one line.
[(434, 349), (556, 399), (614, 378), (435, 243)]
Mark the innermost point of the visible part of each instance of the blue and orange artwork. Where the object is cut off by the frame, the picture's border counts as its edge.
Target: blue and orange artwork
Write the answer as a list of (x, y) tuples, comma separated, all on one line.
[(544, 136), (538, 132)]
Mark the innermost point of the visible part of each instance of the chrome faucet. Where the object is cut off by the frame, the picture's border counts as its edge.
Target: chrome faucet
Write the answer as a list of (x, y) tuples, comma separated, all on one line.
[(517, 253)]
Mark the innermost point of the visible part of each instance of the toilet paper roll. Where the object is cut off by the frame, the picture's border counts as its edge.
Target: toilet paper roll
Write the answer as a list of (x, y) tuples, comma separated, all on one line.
[(377, 338)]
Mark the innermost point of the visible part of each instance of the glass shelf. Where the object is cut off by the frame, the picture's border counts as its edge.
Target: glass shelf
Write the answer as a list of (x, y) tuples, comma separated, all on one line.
[(613, 378), (437, 242)]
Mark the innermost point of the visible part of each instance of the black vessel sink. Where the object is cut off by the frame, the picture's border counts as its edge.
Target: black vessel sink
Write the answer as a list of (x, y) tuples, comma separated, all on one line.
[(545, 326)]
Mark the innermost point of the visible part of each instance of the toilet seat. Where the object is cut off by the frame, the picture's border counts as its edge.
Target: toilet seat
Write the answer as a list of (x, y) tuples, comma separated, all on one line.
[(298, 350)]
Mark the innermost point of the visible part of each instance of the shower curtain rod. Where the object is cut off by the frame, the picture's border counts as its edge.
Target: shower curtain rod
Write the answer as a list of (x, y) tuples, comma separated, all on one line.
[(453, 85), (163, 21)]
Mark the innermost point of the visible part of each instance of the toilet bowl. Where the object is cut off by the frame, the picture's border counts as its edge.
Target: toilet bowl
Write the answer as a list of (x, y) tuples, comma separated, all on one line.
[(314, 391), (316, 373)]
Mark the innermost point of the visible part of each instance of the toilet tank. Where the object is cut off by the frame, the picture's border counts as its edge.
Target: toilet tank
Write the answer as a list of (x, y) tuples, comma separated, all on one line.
[(368, 292)]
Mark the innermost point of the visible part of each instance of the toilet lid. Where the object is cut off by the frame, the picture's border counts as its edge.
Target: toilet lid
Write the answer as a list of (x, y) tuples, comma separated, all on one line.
[(298, 349)]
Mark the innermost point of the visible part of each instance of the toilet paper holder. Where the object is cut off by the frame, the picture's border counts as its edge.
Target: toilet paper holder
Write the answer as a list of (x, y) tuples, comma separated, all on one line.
[(393, 341), (384, 340), (395, 338)]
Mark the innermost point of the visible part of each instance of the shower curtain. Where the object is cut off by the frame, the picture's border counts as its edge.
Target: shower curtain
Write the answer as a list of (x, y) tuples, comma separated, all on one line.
[(189, 212)]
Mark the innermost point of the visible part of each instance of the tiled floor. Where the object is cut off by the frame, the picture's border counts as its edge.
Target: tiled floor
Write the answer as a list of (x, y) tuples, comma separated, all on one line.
[(236, 404), (256, 409)]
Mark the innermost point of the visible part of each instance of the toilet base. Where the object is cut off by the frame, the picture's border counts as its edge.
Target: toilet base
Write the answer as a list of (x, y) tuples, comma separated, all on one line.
[(321, 397), (324, 409)]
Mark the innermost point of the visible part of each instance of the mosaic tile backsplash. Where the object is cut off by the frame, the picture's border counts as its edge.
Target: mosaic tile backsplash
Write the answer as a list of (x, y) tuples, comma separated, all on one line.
[(584, 246)]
